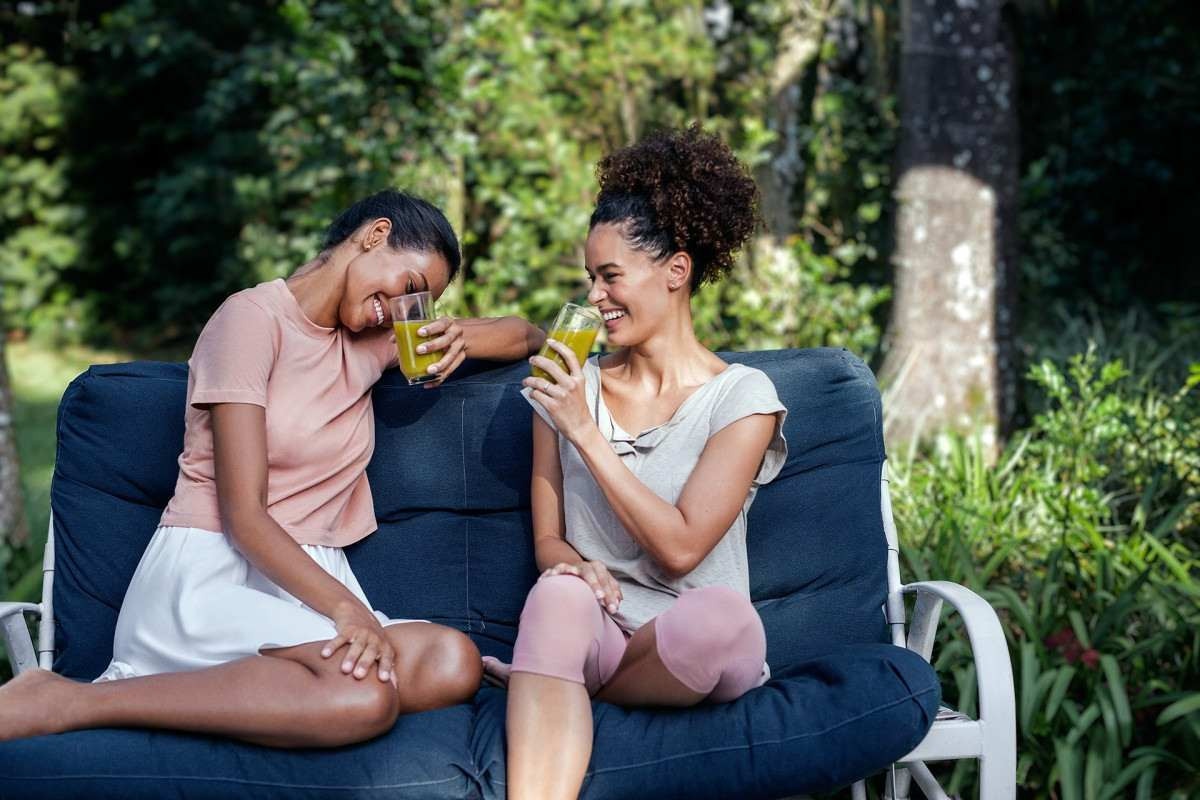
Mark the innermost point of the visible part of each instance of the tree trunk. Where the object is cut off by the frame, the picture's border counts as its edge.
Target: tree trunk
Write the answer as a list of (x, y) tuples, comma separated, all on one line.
[(13, 528), (781, 176), (950, 345)]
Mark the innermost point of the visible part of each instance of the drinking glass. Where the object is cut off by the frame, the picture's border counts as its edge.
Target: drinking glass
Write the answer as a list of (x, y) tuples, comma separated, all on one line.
[(575, 326), (409, 313)]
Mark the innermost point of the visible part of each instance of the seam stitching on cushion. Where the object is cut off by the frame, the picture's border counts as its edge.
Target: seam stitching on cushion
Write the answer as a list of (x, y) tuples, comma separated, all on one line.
[(462, 452), (752, 745), (240, 781)]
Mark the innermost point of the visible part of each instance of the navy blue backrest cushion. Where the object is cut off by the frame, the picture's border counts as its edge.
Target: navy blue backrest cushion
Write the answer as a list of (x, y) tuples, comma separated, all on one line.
[(450, 480)]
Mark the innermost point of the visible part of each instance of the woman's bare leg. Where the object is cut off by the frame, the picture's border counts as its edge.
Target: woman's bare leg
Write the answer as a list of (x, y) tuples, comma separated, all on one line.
[(549, 731), (549, 725), (288, 697)]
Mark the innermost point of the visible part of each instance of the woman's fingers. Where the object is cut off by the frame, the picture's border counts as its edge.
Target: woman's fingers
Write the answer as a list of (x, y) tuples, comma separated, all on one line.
[(436, 345), (454, 352), (332, 645), (568, 356), (387, 657), (547, 388), (357, 645), (370, 655), (561, 568), (594, 582), (436, 327), (550, 367)]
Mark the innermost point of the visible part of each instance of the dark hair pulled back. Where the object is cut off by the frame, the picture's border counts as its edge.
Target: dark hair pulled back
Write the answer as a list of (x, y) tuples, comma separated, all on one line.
[(416, 225), (680, 191)]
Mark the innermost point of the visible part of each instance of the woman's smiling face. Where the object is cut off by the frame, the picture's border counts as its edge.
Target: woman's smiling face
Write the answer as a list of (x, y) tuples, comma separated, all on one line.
[(380, 273), (630, 288)]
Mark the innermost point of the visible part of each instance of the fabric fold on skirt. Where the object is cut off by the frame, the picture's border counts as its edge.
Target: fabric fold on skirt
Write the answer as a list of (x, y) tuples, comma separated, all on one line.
[(195, 601)]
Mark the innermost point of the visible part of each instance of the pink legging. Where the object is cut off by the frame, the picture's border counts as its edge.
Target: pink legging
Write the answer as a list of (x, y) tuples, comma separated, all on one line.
[(711, 639)]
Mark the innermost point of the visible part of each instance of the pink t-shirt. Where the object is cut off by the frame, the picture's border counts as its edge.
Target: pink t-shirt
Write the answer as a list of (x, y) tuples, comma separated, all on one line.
[(315, 384)]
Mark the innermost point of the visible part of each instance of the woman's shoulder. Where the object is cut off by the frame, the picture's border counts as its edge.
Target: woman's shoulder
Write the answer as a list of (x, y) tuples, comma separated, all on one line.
[(256, 301), (740, 391), (740, 378)]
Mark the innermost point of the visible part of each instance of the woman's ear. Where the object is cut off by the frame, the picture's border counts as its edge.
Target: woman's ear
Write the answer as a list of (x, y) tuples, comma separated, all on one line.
[(377, 232), (679, 271)]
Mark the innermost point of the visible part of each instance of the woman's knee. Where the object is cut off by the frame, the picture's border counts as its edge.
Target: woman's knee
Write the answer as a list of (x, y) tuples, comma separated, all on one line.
[(560, 625), (706, 631), (364, 708), (559, 599), (714, 619), (452, 666)]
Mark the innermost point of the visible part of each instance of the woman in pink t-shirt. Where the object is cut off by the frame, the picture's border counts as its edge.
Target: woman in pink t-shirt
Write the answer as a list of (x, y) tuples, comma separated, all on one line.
[(243, 617)]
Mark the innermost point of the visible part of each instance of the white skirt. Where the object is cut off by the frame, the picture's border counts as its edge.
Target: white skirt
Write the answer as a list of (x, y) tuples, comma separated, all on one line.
[(196, 602)]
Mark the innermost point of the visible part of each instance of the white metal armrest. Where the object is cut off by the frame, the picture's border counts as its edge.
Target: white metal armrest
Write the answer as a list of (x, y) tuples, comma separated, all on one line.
[(16, 635), (993, 737)]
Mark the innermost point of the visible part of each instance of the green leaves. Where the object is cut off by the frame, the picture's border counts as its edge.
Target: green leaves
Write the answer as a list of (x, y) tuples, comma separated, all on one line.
[(1084, 540)]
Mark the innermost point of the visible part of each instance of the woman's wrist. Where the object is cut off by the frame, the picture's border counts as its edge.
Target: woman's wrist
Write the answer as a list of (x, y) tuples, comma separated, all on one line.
[(347, 607), (590, 443)]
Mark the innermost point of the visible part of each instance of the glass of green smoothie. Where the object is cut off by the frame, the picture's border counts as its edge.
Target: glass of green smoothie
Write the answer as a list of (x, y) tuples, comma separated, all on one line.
[(409, 313), (575, 326)]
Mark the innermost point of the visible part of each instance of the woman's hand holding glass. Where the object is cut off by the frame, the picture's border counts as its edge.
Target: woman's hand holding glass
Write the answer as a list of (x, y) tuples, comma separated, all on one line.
[(563, 396), (444, 335), (360, 629), (608, 591)]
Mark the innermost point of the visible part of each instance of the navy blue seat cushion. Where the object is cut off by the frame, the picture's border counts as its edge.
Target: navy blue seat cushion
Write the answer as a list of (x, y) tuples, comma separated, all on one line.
[(827, 722), (425, 755)]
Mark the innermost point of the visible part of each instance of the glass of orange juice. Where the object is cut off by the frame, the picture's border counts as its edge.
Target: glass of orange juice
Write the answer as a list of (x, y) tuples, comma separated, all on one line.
[(575, 326), (409, 313)]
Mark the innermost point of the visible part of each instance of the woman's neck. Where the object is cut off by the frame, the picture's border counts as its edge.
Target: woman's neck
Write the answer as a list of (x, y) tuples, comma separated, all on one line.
[(672, 358), (317, 287)]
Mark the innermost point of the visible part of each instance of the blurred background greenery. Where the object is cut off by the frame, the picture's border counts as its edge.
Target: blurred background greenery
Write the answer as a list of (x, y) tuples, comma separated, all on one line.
[(155, 157)]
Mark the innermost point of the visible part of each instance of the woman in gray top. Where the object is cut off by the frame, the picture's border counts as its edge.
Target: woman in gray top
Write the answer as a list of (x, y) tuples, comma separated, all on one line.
[(645, 464)]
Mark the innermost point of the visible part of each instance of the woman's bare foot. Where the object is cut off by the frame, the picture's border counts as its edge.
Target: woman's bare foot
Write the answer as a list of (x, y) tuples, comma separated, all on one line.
[(496, 672), (34, 704)]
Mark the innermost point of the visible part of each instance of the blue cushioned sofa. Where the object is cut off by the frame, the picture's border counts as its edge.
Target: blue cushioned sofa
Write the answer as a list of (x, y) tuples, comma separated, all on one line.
[(450, 478)]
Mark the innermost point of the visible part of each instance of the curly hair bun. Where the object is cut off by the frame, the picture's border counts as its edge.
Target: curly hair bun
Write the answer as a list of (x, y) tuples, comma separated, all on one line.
[(680, 190)]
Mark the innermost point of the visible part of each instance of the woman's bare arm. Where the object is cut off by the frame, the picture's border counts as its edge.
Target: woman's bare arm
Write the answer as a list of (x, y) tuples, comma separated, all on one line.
[(679, 536), (501, 338), (240, 461), (550, 546)]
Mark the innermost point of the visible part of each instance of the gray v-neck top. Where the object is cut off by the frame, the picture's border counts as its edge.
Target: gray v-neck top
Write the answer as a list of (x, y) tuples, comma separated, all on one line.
[(663, 458)]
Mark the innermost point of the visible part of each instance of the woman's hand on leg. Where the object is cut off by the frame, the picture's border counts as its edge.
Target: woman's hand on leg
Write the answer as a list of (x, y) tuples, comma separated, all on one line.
[(597, 576), (368, 644)]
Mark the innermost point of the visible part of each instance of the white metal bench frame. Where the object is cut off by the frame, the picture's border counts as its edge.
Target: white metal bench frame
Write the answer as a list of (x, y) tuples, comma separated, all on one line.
[(992, 738)]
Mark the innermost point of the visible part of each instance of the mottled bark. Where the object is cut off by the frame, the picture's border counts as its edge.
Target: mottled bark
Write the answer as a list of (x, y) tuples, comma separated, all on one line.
[(950, 344), (12, 507), (781, 175)]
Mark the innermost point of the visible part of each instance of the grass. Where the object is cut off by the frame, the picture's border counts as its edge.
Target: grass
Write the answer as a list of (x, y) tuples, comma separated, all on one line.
[(39, 376)]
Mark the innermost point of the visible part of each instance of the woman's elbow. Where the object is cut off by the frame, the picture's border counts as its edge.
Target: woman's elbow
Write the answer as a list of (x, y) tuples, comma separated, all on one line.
[(240, 520), (678, 563)]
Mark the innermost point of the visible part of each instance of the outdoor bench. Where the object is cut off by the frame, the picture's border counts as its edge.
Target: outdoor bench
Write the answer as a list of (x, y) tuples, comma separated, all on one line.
[(851, 691)]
